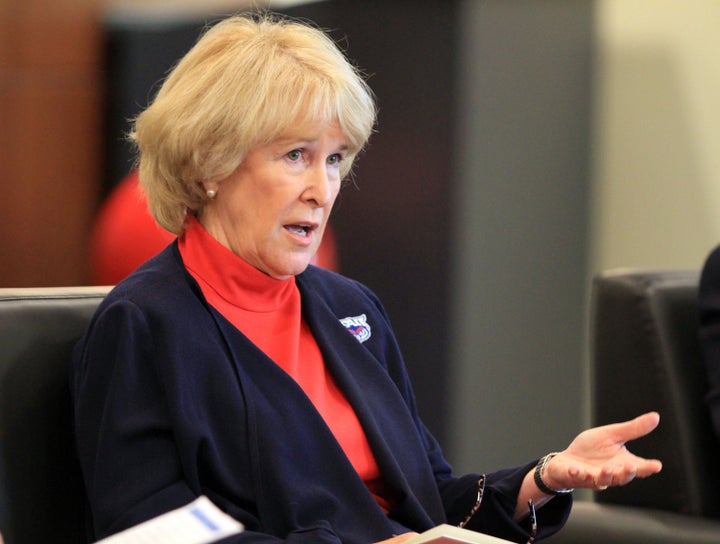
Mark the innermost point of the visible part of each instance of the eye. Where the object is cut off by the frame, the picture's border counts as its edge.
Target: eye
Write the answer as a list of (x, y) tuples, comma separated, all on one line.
[(295, 155), (335, 159)]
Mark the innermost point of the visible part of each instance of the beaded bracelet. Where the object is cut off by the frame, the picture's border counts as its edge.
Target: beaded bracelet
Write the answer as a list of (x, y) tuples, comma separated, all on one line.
[(478, 501)]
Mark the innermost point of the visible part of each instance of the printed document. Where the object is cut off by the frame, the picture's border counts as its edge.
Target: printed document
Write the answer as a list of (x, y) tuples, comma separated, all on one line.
[(200, 522)]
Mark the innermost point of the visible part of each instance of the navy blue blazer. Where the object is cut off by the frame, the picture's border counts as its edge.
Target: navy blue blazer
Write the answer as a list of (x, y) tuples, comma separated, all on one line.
[(172, 401)]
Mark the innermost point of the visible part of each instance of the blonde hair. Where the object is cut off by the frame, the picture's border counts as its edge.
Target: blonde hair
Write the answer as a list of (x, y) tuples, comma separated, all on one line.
[(246, 82)]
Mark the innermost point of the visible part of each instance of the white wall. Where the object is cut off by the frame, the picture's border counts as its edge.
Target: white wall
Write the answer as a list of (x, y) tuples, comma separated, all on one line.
[(656, 153)]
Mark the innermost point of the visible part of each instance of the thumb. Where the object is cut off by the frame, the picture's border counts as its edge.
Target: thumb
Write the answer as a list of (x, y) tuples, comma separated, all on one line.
[(634, 428)]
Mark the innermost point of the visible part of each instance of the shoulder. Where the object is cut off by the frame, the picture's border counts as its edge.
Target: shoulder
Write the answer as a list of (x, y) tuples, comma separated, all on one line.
[(160, 286), (156, 309)]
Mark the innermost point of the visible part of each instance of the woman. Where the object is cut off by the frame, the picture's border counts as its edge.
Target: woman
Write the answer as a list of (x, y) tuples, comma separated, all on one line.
[(228, 367)]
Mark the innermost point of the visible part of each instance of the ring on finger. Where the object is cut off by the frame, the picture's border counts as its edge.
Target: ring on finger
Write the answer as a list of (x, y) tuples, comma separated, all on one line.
[(598, 487)]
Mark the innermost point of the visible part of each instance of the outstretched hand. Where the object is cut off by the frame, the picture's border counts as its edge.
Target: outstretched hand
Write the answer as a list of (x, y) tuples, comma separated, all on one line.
[(597, 458)]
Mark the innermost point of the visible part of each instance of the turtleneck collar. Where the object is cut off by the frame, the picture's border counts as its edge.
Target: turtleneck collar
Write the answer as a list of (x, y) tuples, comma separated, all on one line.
[(228, 275)]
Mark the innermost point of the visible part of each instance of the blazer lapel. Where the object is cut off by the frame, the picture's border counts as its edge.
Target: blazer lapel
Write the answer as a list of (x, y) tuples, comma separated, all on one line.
[(383, 412)]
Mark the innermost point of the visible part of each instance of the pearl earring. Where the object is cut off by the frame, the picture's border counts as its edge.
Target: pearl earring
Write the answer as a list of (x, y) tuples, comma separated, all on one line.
[(211, 193)]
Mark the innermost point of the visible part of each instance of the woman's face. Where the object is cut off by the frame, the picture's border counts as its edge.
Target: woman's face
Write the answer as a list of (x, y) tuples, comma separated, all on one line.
[(273, 209)]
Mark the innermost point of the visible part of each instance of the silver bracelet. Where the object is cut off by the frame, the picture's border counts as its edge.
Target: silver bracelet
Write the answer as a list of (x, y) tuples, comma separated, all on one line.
[(538, 477)]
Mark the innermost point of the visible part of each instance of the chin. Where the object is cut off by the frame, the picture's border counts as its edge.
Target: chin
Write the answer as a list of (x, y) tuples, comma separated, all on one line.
[(292, 269)]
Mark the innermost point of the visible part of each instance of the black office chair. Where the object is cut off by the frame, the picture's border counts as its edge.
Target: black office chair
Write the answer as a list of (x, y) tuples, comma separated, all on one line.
[(41, 495), (645, 356)]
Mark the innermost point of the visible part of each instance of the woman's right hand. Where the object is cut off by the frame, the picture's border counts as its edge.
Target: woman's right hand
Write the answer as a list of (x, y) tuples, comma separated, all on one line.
[(398, 539)]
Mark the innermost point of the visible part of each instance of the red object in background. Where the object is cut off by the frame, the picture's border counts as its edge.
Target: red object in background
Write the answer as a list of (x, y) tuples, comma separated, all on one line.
[(125, 235), (326, 256)]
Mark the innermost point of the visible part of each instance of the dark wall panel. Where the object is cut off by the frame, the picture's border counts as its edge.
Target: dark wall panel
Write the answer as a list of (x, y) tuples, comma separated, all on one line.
[(394, 225)]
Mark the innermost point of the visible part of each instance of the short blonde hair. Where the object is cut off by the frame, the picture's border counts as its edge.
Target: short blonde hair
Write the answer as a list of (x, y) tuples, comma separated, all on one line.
[(246, 82)]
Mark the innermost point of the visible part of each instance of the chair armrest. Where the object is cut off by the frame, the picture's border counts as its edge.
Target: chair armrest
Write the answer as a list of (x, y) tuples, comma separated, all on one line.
[(593, 523)]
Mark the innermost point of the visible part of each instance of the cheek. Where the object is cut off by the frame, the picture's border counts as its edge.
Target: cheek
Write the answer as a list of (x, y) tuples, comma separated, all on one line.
[(336, 193)]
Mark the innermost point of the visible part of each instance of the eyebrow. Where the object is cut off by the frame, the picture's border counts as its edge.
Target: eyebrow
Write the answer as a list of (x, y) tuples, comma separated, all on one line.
[(282, 142)]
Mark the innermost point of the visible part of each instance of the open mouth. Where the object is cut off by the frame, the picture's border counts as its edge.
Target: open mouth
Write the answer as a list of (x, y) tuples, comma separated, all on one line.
[(300, 230)]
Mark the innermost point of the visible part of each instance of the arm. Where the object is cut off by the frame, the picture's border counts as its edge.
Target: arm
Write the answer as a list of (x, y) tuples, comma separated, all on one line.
[(122, 427), (596, 459), (458, 494)]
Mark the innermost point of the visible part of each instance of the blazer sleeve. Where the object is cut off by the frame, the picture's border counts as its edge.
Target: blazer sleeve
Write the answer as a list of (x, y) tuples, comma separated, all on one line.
[(123, 433), (459, 493)]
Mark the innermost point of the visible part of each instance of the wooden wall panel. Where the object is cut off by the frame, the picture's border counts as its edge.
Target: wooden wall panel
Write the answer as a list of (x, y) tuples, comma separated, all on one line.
[(50, 97)]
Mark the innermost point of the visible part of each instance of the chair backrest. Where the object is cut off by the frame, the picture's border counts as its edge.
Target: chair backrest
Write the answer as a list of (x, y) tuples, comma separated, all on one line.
[(646, 356), (41, 493)]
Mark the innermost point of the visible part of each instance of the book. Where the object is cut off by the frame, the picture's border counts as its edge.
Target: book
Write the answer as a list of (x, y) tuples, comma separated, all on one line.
[(200, 522), (449, 534)]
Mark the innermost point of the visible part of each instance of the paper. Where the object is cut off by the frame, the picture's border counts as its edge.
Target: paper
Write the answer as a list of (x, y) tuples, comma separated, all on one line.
[(199, 522), (448, 534)]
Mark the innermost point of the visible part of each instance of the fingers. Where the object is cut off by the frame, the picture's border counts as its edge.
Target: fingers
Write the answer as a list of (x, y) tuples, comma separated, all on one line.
[(613, 477), (649, 467), (621, 475), (394, 540), (597, 458), (630, 430), (608, 477)]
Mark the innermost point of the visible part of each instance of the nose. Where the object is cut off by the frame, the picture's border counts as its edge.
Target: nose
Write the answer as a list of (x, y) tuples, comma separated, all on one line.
[(320, 188)]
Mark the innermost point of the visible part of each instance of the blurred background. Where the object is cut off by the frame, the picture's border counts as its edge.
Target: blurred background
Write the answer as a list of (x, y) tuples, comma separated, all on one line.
[(522, 146)]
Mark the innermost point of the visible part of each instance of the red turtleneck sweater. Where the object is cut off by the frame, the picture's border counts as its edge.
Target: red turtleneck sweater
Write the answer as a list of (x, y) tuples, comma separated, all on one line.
[(267, 311)]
